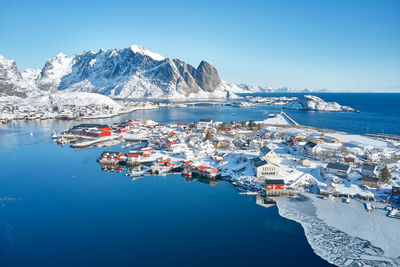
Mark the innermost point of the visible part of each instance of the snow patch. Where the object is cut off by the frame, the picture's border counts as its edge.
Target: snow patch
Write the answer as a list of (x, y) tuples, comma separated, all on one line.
[(143, 51)]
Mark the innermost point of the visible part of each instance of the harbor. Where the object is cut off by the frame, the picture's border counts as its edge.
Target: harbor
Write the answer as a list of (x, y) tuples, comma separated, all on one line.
[(275, 156)]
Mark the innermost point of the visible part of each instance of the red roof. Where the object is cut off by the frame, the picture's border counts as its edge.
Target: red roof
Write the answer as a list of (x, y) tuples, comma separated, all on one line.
[(202, 168)]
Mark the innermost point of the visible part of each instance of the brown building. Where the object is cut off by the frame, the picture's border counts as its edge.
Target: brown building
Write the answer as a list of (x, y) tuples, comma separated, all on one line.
[(372, 182)]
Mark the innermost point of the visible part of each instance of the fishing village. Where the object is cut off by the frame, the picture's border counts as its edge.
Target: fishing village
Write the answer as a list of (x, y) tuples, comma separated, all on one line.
[(266, 158)]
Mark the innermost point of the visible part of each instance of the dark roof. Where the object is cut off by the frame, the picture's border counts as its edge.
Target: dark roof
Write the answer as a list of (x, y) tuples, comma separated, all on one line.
[(338, 166), (205, 120), (310, 144), (389, 161), (257, 162), (265, 150), (275, 181), (369, 167), (91, 125)]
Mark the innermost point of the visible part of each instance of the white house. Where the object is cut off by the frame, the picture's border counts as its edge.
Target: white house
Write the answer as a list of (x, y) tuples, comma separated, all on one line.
[(267, 154), (369, 170), (341, 170), (264, 168), (204, 123), (306, 163), (390, 163), (312, 148)]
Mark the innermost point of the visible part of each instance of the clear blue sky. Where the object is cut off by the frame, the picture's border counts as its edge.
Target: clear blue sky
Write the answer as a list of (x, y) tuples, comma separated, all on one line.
[(340, 45)]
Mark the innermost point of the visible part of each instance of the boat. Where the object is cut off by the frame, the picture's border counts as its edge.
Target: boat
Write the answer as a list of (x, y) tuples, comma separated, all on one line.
[(139, 171), (54, 135), (31, 134), (368, 207), (394, 213)]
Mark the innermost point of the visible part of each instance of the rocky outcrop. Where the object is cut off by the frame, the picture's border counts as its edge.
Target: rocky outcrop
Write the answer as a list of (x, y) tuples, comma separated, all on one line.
[(314, 103), (207, 76)]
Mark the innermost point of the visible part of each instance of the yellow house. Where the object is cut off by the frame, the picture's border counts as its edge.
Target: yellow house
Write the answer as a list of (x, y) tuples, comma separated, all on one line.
[(217, 144)]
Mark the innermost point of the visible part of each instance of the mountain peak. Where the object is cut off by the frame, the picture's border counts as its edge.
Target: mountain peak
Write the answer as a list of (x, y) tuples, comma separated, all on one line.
[(207, 76), (143, 51), (61, 55)]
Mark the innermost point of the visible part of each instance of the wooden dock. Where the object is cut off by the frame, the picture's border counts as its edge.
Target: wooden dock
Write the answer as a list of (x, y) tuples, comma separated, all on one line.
[(284, 192)]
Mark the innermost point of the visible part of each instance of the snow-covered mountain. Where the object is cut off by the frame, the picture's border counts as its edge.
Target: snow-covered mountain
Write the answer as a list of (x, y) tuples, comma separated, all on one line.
[(291, 90), (314, 103), (11, 80), (131, 72), (255, 89)]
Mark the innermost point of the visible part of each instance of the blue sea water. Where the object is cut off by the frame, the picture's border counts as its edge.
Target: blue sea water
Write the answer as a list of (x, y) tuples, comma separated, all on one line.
[(379, 112), (67, 212), (64, 211)]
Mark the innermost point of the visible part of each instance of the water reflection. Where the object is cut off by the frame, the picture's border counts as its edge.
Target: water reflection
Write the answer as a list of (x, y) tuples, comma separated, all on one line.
[(135, 172)]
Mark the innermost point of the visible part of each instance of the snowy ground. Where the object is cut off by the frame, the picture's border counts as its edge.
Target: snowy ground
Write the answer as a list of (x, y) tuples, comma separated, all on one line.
[(345, 234), (279, 119)]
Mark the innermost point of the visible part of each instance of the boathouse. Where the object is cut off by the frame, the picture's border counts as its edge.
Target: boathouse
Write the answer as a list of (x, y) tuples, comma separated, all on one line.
[(91, 130), (110, 157), (275, 184), (205, 171)]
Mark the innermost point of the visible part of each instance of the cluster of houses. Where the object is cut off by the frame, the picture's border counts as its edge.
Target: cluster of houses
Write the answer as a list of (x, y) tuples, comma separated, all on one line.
[(11, 111), (201, 149)]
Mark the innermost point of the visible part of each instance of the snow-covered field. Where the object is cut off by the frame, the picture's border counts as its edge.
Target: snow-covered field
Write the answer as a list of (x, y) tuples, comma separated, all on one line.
[(345, 234)]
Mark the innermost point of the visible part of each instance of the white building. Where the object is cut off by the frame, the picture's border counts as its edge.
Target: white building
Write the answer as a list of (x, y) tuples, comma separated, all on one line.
[(267, 154), (264, 168), (341, 170)]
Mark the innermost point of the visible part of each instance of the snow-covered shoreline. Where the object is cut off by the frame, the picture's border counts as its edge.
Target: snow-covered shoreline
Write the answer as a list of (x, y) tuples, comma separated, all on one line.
[(78, 105), (344, 234)]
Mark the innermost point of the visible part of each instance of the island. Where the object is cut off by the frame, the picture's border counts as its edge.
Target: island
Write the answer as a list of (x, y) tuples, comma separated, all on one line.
[(338, 186)]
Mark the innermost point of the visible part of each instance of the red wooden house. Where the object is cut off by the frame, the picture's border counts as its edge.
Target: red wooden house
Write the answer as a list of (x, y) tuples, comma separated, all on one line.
[(205, 171), (275, 184), (110, 157)]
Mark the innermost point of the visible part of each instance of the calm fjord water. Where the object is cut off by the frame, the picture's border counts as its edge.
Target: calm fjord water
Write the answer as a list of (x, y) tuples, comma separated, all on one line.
[(64, 211), (67, 212)]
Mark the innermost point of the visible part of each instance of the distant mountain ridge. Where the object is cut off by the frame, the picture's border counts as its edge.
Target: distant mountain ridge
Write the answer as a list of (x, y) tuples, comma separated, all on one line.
[(12, 82), (130, 72)]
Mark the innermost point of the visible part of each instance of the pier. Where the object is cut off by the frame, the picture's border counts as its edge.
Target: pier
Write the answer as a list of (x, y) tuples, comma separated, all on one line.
[(289, 118), (284, 192), (93, 142), (388, 136)]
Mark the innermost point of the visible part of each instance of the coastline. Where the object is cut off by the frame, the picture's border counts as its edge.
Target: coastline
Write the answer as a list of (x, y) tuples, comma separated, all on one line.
[(334, 239)]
